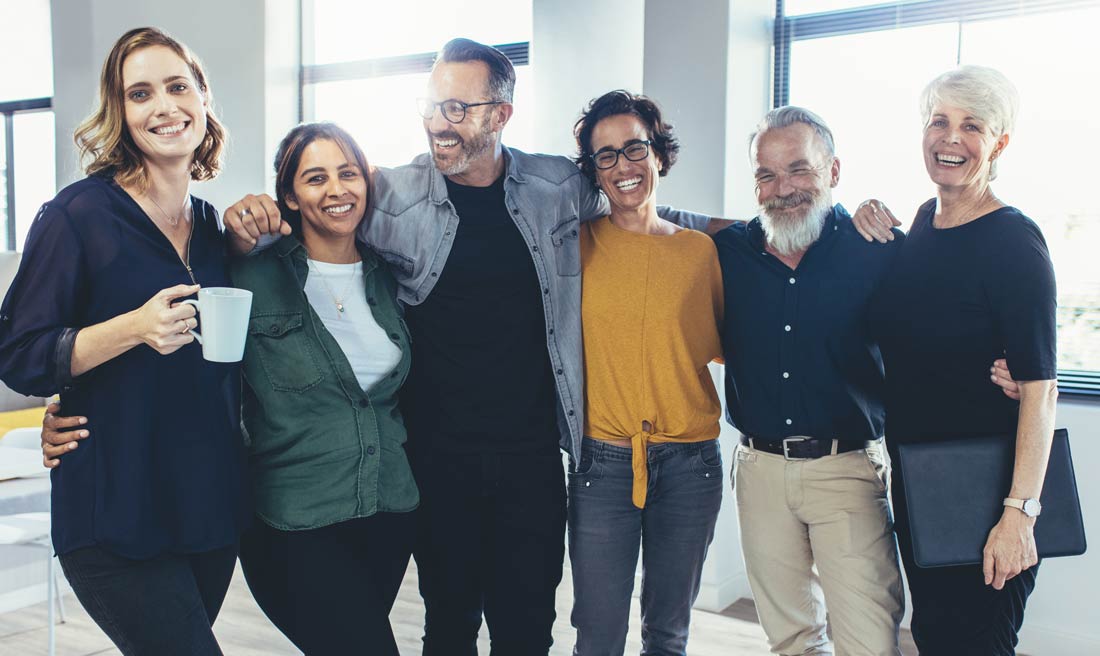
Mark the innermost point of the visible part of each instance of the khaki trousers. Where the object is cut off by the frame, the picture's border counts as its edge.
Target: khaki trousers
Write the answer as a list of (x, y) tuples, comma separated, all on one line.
[(831, 512)]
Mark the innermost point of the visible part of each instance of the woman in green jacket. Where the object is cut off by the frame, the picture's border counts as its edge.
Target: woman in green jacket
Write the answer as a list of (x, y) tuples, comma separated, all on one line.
[(327, 351)]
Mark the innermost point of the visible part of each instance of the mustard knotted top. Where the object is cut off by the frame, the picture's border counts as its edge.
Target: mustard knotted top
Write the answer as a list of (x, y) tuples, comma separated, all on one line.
[(651, 310)]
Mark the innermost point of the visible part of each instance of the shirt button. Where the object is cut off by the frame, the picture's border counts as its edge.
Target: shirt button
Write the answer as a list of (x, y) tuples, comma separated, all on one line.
[(559, 372), (394, 336), (274, 329), (792, 281), (434, 274), (447, 234), (570, 413), (535, 248), (364, 403), (786, 374), (789, 422), (551, 331), (545, 290), (370, 450), (787, 328)]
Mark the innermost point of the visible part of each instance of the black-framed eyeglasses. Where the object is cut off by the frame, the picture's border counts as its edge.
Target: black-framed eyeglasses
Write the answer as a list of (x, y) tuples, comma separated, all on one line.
[(635, 152), (452, 110)]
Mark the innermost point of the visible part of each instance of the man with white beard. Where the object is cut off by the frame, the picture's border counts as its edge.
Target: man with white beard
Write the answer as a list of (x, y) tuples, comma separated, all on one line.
[(804, 385)]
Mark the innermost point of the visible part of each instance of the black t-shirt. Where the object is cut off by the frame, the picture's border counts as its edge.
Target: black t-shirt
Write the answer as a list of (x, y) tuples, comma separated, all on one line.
[(957, 299), (481, 379)]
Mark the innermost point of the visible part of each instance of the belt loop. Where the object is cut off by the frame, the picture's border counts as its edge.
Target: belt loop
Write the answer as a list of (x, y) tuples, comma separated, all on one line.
[(836, 444)]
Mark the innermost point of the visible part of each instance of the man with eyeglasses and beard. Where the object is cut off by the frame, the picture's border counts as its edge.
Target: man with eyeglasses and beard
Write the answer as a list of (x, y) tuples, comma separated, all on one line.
[(804, 385), (484, 243)]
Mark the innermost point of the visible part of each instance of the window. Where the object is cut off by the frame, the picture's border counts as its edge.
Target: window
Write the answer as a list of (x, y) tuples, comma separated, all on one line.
[(27, 176), (862, 68), (366, 63)]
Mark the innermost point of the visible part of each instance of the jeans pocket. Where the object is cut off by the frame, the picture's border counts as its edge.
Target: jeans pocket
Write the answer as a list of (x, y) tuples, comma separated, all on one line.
[(707, 461), (585, 472)]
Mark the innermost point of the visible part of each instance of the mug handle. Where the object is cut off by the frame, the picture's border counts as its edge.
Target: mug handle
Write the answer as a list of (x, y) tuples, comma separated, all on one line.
[(198, 337)]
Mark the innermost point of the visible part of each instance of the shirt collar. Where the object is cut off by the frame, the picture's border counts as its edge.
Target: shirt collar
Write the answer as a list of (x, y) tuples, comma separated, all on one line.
[(292, 246), (437, 184)]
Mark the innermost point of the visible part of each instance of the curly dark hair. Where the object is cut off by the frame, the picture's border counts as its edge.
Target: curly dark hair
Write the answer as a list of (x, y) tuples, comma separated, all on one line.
[(664, 142)]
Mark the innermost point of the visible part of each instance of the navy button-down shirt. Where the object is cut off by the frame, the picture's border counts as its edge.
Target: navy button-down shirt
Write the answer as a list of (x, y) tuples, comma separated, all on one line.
[(800, 359), (163, 468)]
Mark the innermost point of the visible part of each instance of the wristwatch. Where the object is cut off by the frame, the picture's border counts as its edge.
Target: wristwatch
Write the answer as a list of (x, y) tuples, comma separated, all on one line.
[(1029, 507)]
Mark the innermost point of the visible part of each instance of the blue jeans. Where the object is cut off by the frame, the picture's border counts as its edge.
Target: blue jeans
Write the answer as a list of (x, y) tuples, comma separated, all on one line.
[(673, 530)]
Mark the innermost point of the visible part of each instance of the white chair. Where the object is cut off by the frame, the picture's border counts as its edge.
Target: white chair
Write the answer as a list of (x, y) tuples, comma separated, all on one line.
[(33, 530)]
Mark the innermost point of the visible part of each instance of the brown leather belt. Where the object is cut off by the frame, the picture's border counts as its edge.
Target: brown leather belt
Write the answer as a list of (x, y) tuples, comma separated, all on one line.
[(806, 448)]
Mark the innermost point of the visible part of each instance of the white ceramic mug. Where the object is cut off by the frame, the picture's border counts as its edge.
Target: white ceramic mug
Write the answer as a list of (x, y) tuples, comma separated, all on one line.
[(225, 312)]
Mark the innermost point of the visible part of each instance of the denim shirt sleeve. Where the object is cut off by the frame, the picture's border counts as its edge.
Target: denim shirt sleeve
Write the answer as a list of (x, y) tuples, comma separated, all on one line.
[(592, 203), (37, 321)]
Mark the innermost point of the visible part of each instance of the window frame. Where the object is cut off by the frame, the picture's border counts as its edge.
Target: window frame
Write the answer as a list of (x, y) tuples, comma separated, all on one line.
[(912, 13), (8, 109)]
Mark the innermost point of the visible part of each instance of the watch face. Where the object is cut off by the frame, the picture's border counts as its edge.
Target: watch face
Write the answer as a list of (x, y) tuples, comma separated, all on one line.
[(1032, 507)]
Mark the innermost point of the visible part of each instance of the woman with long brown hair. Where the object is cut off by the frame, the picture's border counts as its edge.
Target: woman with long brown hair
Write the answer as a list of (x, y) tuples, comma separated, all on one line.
[(146, 516)]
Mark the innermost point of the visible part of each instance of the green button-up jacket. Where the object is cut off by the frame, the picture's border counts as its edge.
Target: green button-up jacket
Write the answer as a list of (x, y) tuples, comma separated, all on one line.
[(321, 449)]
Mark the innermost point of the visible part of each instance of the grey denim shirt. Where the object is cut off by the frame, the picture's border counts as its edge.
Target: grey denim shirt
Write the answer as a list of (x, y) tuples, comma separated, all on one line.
[(412, 226)]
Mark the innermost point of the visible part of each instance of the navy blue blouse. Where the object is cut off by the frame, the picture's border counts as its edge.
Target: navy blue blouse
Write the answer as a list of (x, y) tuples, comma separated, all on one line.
[(800, 358), (163, 468)]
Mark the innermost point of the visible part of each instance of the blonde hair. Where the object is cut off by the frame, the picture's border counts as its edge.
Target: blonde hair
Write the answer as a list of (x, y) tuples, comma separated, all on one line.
[(103, 139), (984, 92)]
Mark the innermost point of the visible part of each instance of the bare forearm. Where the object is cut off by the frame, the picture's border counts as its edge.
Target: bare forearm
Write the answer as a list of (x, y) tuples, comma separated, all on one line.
[(105, 341), (1034, 432)]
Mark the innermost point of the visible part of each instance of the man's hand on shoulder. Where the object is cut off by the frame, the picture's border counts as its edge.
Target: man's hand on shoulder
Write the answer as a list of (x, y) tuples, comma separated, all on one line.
[(249, 218)]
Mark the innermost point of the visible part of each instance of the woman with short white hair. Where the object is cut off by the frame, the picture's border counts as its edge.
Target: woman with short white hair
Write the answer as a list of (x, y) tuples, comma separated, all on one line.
[(973, 282)]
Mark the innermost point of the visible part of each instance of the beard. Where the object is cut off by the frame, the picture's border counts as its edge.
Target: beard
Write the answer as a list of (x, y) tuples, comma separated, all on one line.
[(791, 233), (458, 162)]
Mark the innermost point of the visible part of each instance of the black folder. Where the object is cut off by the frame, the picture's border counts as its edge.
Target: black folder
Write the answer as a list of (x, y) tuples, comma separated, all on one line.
[(955, 492)]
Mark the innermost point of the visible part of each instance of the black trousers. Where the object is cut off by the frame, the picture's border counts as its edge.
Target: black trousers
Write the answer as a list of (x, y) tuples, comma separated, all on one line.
[(164, 605), (330, 590), (954, 611), (491, 541)]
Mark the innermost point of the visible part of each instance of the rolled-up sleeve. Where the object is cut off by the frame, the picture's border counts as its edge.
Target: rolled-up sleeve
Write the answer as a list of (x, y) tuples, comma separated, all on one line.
[(38, 318)]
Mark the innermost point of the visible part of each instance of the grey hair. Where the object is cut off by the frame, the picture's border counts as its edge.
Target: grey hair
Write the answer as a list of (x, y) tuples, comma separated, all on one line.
[(788, 115), (502, 75), (984, 92)]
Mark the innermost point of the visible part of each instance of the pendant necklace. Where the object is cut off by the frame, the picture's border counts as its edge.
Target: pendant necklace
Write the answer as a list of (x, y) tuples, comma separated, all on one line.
[(338, 301), (183, 209)]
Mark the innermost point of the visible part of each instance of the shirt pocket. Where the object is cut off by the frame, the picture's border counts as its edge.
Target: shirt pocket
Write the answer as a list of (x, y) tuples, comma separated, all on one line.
[(287, 355), (567, 250)]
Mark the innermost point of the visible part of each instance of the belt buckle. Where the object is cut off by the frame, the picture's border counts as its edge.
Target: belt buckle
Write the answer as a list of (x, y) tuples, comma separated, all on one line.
[(786, 447)]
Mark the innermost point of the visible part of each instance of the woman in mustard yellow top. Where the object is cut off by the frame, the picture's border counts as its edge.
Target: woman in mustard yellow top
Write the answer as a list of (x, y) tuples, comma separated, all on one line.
[(650, 474)]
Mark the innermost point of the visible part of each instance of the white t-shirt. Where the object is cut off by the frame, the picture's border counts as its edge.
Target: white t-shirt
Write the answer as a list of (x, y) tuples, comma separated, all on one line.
[(369, 350)]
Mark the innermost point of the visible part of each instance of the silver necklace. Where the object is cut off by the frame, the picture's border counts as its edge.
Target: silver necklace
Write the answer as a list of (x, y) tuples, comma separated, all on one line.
[(172, 222), (337, 300)]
